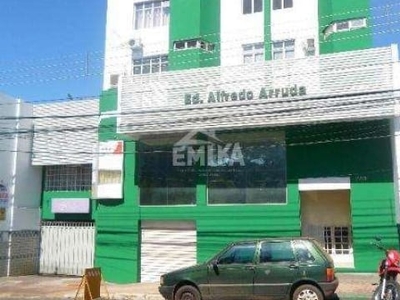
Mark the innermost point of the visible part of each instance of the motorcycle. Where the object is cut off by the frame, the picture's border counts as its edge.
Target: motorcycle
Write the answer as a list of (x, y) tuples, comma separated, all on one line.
[(389, 268)]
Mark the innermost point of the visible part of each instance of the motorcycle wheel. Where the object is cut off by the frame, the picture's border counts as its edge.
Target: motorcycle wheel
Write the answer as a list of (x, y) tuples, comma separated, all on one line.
[(392, 291)]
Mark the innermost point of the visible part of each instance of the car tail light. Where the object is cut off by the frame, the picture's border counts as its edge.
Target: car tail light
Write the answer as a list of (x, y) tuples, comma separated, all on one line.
[(330, 274)]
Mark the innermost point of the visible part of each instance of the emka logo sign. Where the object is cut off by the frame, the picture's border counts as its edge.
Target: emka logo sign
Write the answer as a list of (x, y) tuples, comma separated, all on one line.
[(202, 147)]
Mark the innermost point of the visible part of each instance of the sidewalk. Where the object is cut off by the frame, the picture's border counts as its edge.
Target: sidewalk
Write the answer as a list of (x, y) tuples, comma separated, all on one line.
[(351, 286)]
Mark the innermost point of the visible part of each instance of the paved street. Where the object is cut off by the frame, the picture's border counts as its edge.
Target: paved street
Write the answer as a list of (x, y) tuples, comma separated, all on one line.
[(351, 287)]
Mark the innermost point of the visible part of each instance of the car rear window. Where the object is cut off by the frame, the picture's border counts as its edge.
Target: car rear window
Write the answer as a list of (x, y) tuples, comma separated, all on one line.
[(303, 253)]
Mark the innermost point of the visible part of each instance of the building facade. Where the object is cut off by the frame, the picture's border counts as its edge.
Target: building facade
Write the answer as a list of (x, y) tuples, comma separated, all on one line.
[(20, 190), (63, 147), (235, 119)]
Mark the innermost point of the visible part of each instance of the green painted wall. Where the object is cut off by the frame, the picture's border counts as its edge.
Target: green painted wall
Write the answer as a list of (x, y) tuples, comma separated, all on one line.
[(267, 30), (373, 214), (210, 29), (339, 10), (190, 20), (117, 235), (47, 215), (218, 225), (108, 100), (361, 151), (117, 239)]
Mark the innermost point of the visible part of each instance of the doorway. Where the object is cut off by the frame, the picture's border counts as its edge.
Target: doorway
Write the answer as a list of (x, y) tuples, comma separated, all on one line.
[(326, 216)]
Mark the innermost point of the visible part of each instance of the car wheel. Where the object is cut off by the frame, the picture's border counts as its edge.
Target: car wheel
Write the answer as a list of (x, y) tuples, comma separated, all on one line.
[(307, 292), (187, 292)]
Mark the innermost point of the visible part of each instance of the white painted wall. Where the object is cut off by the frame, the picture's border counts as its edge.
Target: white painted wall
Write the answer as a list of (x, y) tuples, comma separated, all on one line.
[(299, 23), (28, 180), (238, 29), (120, 30), (23, 181), (395, 137)]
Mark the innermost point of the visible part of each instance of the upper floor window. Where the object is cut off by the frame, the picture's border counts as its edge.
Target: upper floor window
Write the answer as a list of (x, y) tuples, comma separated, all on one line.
[(252, 6), (346, 25), (151, 14), (194, 43), (68, 178), (279, 4), (283, 49), (253, 53), (150, 64)]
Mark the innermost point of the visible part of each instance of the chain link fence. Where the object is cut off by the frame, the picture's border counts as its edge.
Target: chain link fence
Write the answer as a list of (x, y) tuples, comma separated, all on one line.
[(19, 252)]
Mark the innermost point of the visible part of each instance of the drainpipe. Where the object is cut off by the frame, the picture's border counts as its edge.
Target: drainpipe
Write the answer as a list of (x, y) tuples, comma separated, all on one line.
[(13, 182)]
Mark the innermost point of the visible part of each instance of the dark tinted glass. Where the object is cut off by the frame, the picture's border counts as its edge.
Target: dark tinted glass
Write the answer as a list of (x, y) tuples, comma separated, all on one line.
[(287, 3), (247, 6), (277, 4), (247, 167), (258, 5), (238, 254), (276, 252), (160, 181)]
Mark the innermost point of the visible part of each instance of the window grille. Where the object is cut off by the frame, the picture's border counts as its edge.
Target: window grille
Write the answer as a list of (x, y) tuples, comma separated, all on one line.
[(68, 178), (346, 25), (279, 4), (193, 44), (337, 240), (151, 14), (283, 49), (253, 52), (252, 6), (150, 64)]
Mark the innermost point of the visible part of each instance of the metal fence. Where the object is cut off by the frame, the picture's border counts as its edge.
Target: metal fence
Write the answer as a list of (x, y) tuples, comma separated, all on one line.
[(67, 248), (19, 252)]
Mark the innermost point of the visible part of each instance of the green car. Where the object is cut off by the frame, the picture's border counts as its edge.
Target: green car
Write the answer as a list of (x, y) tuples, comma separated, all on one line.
[(274, 268)]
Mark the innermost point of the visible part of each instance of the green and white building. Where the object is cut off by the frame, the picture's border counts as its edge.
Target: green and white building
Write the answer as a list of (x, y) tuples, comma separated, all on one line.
[(233, 119)]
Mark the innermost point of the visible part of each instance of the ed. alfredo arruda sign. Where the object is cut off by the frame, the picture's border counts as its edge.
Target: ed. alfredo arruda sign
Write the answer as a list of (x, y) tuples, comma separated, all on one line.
[(263, 93)]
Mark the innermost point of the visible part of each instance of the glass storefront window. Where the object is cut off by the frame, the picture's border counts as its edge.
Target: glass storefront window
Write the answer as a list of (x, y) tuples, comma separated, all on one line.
[(259, 177), (160, 182), (237, 167)]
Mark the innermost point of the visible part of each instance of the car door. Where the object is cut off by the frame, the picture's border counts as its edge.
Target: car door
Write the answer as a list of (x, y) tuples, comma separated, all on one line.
[(231, 274), (275, 271)]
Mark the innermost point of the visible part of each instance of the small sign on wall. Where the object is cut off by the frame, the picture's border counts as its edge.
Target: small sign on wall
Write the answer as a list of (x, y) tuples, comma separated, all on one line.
[(70, 205), (4, 196), (108, 170), (2, 214)]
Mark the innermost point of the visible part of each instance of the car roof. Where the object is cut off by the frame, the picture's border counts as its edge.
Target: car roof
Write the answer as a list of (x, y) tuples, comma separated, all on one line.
[(274, 239)]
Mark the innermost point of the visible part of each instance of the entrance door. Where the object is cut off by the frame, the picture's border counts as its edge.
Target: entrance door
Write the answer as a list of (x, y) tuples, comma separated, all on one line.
[(326, 216)]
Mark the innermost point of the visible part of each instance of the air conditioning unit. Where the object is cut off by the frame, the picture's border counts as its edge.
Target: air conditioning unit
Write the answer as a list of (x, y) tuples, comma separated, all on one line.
[(309, 47), (136, 48), (135, 44)]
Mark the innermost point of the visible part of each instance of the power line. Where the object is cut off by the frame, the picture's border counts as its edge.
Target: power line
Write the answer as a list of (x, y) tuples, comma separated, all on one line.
[(84, 62)]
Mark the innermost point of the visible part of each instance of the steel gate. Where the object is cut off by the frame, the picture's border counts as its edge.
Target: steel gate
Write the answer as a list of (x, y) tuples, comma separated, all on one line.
[(166, 245), (66, 248)]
